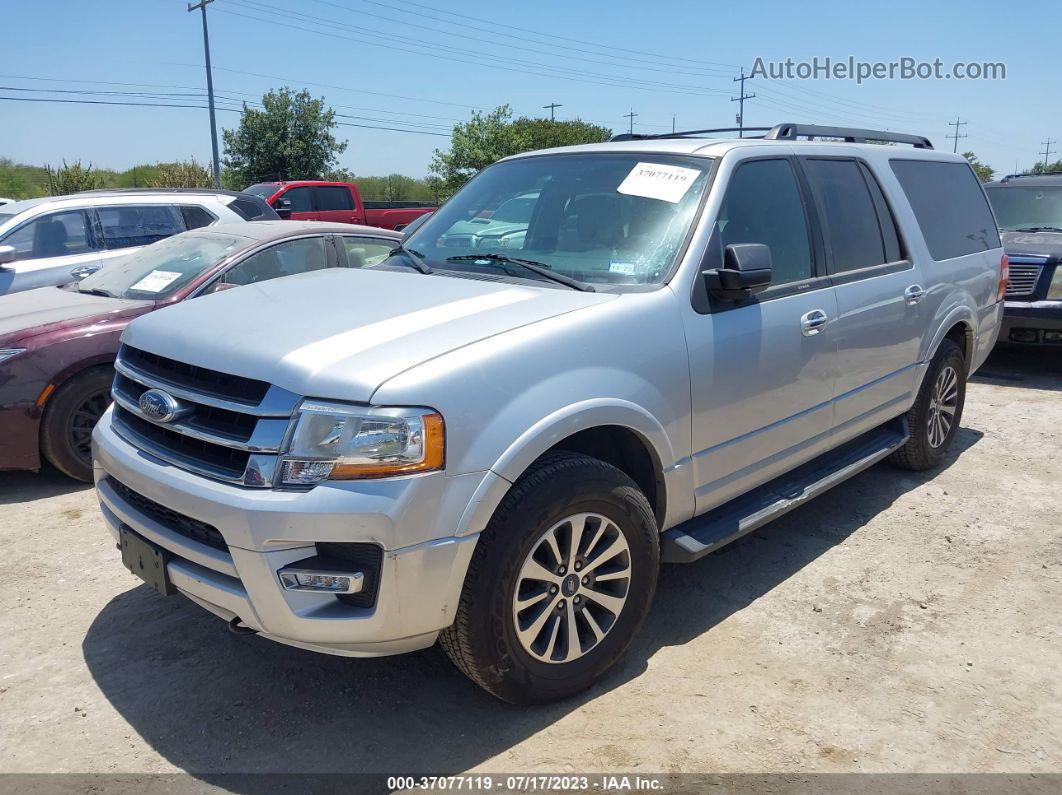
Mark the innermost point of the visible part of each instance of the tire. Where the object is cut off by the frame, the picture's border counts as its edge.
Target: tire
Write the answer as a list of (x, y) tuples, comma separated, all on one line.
[(69, 417), (561, 490), (933, 429)]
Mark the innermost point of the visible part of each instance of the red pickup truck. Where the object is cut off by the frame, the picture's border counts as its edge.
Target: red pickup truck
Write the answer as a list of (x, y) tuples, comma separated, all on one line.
[(337, 202)]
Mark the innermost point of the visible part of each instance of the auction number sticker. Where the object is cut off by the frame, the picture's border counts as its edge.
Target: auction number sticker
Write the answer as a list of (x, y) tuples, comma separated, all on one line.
[(156, 281), (658, 181)]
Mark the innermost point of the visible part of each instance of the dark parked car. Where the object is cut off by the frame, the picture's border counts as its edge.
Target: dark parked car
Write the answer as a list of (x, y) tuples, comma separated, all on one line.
[(1029, 211), (57, 344)]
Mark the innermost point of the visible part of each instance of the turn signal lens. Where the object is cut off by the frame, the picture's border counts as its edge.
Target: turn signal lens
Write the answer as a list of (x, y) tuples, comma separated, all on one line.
[(1004, 275)]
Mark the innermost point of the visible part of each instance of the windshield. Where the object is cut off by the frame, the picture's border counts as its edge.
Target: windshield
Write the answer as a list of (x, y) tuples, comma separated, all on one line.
[(601, 218), (163, 268), (1027, 208), (263, 189)]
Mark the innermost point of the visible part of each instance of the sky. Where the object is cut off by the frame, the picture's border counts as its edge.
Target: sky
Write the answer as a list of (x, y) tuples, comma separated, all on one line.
[(420, 67)]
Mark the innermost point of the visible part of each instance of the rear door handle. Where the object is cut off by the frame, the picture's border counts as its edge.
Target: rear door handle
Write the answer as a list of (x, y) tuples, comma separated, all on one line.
[(813, 322), (913, 294)]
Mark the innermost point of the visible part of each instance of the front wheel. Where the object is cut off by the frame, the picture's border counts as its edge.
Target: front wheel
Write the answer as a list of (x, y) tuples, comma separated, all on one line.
[(934, 419), (69, 417), (559, 584)]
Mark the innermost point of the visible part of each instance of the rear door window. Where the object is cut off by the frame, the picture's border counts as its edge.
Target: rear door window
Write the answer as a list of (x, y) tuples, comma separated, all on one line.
[(53, 235), (850, 218), (129, 225), (333, 197), (950, 207)]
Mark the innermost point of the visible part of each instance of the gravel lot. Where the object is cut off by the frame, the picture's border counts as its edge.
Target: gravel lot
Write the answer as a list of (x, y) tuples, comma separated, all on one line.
[(904, 622)]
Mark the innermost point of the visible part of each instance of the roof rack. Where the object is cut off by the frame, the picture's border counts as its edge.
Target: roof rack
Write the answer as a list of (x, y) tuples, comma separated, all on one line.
[(220, 191), (790, 132)]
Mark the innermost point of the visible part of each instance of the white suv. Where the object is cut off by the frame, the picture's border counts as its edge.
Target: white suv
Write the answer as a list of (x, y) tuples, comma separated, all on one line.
[(61, 239)]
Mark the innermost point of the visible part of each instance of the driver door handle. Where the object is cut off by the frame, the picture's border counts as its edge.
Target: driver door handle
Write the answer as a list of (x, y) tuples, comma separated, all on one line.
[(813, 322), (913, 294)]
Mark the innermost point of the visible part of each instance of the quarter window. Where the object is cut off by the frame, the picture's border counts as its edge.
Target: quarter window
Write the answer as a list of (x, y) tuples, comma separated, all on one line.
[(54, 235), (126, 226), (763, 205), (850, 219)]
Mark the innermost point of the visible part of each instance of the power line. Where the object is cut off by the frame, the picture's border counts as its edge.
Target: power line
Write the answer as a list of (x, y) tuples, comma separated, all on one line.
[(201, 6), (741, 100), (956, 135)]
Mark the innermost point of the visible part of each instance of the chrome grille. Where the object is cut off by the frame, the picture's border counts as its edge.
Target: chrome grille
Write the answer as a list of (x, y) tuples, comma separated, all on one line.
[(1022, 278), (232, 429)]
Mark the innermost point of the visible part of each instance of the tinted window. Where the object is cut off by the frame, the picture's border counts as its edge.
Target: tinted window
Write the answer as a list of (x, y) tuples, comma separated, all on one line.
[(283, 259), (951, 210), (334, 197), (196, 217), (850, 220), (300, 200), (138, 225), (362, 251), (763, 205), (53, 235), (250, 210), (263, 189)]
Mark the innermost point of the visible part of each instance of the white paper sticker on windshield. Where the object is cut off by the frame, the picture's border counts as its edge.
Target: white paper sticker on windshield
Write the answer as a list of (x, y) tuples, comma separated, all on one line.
[(657, 181), (155, 281)]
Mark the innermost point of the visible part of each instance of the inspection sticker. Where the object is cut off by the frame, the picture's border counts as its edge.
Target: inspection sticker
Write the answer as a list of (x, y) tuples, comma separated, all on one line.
[(657, 181), (626, 268), (155, 281)]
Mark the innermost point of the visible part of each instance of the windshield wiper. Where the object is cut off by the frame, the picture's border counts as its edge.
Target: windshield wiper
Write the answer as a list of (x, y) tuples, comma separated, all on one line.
[(413, 257), (1039, 229), (96, 291), (536, 267)]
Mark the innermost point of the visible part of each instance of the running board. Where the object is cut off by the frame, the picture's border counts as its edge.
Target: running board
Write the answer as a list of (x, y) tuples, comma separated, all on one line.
[(694, 539)]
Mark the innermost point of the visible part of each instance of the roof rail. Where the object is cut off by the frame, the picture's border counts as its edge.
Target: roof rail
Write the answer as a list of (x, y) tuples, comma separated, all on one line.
[(790, 132), (852, 135), (218, 191), (1041, 174)]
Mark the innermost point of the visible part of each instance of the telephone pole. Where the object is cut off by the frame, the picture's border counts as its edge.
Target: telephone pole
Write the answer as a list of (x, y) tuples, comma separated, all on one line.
[(741, 99), (1047, 153), (956, 136), (201, 5), (552, 106), (672, 123), (630, 116)]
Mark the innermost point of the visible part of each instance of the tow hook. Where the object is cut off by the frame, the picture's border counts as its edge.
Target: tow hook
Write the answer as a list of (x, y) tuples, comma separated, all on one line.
[(237, 627)]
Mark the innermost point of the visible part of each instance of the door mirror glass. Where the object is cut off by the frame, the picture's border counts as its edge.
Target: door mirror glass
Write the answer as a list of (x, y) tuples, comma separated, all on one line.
[(746, 270)]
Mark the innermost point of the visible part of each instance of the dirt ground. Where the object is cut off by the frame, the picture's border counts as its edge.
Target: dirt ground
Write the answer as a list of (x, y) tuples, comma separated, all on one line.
[(904, 622)]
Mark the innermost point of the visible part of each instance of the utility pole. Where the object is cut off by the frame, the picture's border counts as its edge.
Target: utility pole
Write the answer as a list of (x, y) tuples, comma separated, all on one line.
[(672, 123), (631, 116), (741, 99), (201, 5), (552, 106), (955, 136), (1047, 153)]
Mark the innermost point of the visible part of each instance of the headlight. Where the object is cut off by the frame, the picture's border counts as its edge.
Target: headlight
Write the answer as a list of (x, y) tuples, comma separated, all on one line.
[(1054, 292), (7, 353), (340, 442)]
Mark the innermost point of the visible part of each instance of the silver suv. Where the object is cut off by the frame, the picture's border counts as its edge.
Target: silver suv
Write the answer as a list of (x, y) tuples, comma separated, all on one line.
[(497, 448), (62, 239)]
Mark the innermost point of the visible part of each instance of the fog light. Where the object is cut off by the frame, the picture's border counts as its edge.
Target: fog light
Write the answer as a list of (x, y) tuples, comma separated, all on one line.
[(1023, 335), (304, 576)]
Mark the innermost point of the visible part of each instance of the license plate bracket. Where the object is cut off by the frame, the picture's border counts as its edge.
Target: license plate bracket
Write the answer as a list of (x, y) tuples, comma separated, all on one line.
[(146, 561)]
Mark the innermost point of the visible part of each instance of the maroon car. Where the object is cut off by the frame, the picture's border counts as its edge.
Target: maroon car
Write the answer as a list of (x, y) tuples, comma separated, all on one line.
[(57, 344)]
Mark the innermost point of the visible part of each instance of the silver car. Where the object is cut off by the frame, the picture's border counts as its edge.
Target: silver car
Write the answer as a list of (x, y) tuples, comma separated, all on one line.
[(496, 449), (62, 239)]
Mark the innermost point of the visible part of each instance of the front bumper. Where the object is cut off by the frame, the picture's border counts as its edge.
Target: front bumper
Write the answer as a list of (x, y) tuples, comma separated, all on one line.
[(1032, 323), (415, 520)]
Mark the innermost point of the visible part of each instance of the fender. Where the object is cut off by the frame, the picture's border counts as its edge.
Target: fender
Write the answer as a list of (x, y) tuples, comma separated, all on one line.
[(950, 313), (559, 425)]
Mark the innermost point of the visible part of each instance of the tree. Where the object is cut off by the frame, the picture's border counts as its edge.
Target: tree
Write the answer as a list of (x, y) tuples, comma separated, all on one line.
[(290, 138), (182, 174), (983, 171), (72, 179), (486, 138), (1046, 168)]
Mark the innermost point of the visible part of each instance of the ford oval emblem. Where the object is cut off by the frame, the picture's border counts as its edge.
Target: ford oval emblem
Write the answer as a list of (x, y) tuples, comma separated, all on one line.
[(160, 406)]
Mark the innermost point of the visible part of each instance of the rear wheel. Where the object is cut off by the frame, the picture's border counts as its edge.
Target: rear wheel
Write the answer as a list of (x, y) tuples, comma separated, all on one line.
[(934, 419), (559, 584), (69, 417)]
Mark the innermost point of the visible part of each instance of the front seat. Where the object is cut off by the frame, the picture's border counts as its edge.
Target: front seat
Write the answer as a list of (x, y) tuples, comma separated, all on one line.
[(51, 240)]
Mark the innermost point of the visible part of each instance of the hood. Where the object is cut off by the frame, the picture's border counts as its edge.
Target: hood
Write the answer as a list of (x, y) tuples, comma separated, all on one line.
[(1034, 244), (33, 312), (341, 333)]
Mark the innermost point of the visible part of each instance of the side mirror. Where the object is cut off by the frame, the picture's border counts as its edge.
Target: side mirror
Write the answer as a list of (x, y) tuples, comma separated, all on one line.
[(221, 287), (7, 254), (746, 270), (283, 208)]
